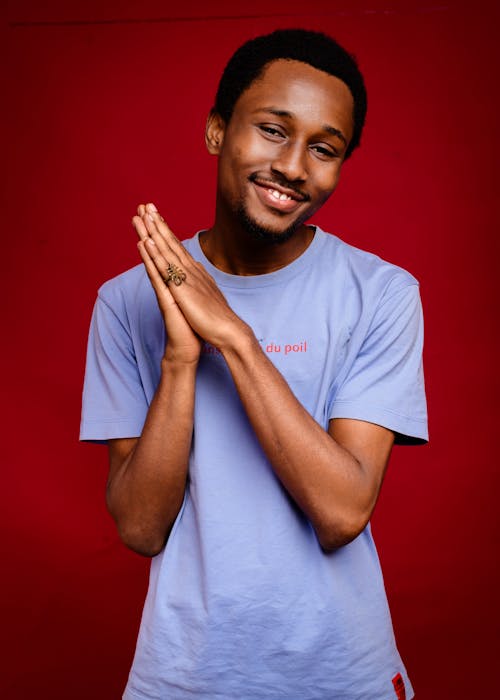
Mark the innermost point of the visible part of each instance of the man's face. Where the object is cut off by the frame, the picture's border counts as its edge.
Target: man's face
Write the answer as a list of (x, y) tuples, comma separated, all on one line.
[(281, 153)]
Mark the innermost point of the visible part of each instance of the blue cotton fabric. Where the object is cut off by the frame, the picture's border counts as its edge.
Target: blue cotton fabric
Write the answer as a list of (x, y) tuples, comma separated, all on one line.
[(242, 602)]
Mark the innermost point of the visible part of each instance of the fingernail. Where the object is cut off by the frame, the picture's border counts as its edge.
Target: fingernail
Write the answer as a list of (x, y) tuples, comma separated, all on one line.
[(150, 217), (152, 207)]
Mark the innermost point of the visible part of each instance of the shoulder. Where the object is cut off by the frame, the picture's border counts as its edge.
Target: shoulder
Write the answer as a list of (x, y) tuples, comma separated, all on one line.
[(123, 285), (364, 272), (118, 301)]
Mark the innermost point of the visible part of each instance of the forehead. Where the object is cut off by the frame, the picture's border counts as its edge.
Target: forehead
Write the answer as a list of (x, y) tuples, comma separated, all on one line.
[(299, 88)]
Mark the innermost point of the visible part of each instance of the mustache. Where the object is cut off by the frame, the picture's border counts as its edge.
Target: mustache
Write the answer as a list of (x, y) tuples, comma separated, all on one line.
[(279, 182)]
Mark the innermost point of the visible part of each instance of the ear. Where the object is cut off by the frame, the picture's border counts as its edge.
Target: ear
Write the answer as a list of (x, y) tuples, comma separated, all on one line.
[(214, 133)]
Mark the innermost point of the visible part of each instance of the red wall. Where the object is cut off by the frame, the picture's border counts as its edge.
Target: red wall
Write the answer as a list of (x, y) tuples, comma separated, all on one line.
[(106, 108)]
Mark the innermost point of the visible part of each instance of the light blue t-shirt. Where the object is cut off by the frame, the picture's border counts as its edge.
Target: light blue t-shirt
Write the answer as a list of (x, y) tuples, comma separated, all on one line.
[(243, 604)]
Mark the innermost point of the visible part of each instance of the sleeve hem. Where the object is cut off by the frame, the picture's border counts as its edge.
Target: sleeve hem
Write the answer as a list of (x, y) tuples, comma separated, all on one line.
[(408, 431), (101, 431)]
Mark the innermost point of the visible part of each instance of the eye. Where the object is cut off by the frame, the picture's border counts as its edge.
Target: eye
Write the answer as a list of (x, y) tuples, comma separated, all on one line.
[(272, 131), (324, 151)]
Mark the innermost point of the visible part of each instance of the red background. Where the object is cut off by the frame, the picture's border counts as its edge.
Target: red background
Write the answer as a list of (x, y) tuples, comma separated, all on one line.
[(105, 108)]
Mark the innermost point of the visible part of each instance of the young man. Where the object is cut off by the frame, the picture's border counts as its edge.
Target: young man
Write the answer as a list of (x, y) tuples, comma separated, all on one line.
[(251, 407)]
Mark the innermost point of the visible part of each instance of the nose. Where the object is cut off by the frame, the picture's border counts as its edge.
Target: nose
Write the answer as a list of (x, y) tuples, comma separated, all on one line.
[(290, 162)]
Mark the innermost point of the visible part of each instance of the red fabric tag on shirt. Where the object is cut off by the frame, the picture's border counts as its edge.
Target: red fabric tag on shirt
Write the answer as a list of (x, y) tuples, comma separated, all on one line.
[(399, 686)]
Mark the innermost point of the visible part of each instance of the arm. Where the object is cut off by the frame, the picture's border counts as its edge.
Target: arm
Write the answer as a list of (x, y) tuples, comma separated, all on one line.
[(147, 475), (333, 476)]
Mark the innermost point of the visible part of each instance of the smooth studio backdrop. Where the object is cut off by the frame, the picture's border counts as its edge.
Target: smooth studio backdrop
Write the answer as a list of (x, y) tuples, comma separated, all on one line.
[(105, 105)]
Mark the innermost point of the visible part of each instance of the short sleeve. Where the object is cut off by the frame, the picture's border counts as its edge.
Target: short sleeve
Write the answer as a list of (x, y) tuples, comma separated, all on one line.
[(385, 382), (114, 402)]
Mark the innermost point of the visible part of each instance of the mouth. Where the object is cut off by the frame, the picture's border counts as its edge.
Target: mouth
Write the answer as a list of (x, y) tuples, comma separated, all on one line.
[(280, 198)]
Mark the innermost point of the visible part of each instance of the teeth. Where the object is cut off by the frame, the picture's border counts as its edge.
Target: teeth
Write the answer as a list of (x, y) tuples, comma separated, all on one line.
[(279, 195)]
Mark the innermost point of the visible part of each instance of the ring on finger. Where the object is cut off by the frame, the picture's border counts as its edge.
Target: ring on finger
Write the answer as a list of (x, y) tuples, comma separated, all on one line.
[(174, 274)]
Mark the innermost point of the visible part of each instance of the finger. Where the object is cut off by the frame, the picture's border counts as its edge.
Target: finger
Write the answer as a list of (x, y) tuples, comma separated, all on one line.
[(140, 228), (141, 209), (151, 209), (149, 223), (163, 265), (170, 248), (156, 223), (171, 274), (160, 287)]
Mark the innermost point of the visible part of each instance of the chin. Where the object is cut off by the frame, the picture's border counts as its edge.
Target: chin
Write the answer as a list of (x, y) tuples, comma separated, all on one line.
[(259, 232)]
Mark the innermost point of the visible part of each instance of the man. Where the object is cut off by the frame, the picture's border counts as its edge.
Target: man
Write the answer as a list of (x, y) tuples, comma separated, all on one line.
[(250, 409)]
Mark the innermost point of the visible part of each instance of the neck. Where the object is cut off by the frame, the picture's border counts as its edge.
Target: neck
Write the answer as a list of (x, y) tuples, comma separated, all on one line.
[(235, 251)]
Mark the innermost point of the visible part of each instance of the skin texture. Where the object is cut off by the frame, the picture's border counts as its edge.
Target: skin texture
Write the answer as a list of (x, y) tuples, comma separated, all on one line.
[(288, 134)]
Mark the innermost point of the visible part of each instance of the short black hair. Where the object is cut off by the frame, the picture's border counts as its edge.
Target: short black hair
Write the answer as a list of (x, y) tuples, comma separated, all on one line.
[(314, 48)]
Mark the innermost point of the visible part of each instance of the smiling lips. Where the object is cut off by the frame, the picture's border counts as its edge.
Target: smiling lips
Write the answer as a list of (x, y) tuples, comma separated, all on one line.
[(280, 198)]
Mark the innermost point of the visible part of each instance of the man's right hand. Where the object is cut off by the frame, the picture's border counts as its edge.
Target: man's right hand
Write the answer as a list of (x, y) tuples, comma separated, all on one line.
[(183, 345), (147, 475)]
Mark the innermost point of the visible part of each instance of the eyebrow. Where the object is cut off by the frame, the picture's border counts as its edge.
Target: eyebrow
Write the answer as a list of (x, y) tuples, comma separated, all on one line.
[(284, 113)]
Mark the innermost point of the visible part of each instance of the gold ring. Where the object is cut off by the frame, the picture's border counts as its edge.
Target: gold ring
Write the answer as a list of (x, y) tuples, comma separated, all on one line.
[(175, 275)]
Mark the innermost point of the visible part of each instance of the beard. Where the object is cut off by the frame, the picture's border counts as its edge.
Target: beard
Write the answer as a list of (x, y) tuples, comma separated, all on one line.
[(262, 233)]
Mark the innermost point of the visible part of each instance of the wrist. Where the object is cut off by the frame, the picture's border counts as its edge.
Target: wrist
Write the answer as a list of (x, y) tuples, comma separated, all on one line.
[(240, 342), (173, 363)]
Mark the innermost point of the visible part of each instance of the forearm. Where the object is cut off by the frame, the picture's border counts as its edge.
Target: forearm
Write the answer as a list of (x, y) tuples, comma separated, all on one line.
[(333, 476), (146, 490), (327, 481)]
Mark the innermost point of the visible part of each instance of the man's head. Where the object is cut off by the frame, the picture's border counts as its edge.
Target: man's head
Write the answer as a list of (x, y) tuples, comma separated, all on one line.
[(289, 110), (313, 48)]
